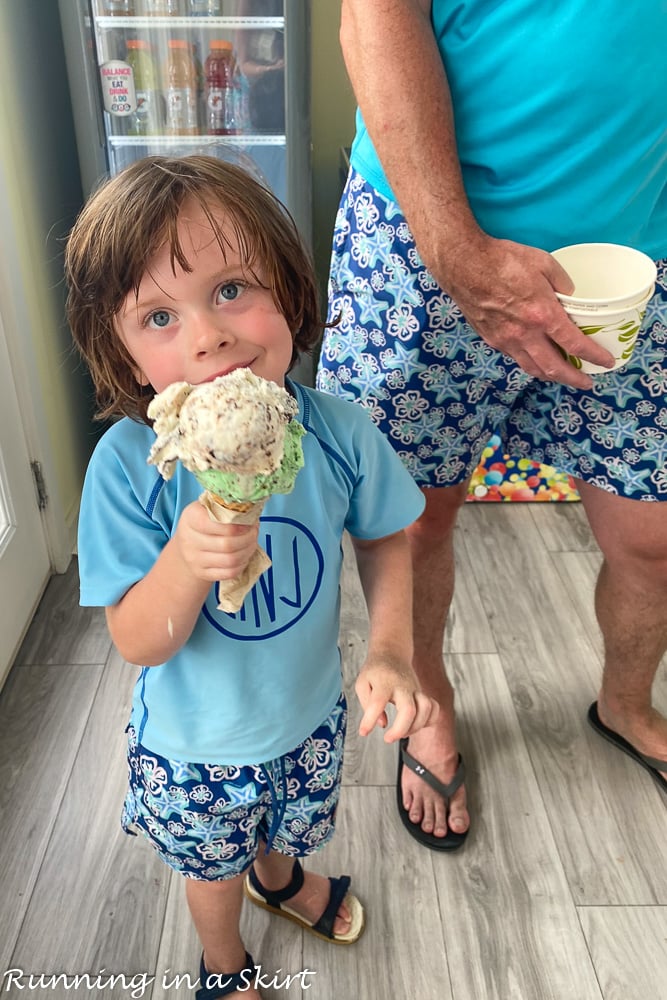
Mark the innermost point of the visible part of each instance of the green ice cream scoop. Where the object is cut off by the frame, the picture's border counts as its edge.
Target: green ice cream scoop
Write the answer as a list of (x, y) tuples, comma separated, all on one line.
[(235, 488)]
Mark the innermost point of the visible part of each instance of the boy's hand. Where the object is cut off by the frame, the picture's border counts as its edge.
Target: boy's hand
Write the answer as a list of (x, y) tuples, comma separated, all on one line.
[(383, 681), (210, 550)]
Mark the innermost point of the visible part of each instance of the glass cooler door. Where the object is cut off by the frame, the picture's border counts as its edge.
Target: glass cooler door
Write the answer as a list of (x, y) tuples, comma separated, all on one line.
[(229, 78)]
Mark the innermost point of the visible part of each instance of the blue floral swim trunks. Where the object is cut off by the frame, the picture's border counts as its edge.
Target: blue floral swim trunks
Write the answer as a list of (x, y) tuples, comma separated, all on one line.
[(206, 821), (402, 348)]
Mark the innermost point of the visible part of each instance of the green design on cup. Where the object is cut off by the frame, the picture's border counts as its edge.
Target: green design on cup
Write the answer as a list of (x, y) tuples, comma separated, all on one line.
[(590, 330), (569, 357), (628, 350), (628, 331), (625, 331)]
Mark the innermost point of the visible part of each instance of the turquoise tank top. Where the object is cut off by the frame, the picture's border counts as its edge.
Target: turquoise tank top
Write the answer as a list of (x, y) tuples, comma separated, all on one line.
[(560, 119)]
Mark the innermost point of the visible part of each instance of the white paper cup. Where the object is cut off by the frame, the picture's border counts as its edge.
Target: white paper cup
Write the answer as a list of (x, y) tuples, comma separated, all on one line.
[(614, 329), (612, 287)]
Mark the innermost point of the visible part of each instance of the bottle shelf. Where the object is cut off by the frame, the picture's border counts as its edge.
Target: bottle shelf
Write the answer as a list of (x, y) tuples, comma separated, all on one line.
[(276, 23), (196, 140)]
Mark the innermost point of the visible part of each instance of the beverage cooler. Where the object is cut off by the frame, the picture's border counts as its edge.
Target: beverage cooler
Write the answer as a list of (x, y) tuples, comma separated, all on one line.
[(229, 78)]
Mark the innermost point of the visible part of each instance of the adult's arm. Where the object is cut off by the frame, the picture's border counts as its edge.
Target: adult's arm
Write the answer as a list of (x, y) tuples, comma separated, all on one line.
[(505, 290)]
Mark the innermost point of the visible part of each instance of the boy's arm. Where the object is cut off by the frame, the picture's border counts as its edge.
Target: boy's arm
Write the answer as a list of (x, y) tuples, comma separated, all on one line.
[(387, 677), (156, 616)]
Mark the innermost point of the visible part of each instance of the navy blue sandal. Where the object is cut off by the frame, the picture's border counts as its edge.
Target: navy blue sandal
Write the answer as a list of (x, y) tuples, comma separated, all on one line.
[(274, 902), (224, 984)]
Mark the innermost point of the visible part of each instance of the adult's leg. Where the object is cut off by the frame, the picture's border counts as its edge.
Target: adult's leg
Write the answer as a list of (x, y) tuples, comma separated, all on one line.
[(631, 607), (215, 908), (431, 540), (418, 374)]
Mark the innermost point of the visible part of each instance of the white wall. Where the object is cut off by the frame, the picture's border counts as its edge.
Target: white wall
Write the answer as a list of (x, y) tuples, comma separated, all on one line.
[(333, 107), (43, 194)]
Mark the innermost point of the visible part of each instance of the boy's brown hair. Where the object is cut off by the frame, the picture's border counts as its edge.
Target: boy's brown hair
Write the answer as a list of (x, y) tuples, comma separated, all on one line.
[(131, 217)]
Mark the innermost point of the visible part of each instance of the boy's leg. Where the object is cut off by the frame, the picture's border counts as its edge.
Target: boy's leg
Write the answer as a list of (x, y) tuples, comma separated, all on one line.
[(215, 908), (307, 822), (274, 871)]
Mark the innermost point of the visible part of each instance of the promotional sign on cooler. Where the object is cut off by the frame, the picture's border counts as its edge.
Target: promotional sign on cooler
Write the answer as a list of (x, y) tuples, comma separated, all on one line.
[(118, 90)]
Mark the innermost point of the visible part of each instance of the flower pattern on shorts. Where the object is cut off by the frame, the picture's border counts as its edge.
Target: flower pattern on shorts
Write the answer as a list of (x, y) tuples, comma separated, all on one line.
[(206, 820), (403, 350)]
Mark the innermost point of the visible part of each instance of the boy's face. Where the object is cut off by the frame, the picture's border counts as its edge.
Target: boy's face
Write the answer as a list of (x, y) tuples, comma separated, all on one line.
[(193, 326)]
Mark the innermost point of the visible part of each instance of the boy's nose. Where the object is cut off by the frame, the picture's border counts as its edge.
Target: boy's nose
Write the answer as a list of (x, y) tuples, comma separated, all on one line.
[(208, 335)]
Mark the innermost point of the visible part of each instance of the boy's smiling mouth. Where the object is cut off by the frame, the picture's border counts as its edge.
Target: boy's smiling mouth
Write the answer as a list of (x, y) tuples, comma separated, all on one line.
[(226, 371)]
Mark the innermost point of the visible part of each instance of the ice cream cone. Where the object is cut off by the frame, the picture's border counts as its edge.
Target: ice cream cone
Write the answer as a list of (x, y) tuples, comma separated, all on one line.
[(239, 436), (229, 504), (231, 593)]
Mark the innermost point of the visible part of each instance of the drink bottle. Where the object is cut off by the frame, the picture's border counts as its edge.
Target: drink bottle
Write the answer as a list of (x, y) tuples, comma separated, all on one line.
[(241, 102), (205, 8), (164, 8), (147, 118), (119, 8), (180, 89), (219, 72)]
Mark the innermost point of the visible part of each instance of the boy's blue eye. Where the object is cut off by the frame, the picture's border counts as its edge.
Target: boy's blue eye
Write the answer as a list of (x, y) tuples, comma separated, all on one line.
[(230, 291), (160, 318)]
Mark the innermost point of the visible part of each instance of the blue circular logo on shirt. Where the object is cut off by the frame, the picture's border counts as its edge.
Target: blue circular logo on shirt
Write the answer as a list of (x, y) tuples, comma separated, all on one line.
[(283, 593)]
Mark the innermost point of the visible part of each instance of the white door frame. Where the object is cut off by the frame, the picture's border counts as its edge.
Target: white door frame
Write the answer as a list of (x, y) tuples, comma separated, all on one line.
[(15, 289)]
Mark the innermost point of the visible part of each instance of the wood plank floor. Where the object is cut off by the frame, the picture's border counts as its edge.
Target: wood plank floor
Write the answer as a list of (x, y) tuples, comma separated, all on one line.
[(559, 894)]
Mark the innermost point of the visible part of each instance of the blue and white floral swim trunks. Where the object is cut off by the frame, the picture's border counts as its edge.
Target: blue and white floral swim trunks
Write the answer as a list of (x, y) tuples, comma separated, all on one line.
[(403, 350), (206, 821)]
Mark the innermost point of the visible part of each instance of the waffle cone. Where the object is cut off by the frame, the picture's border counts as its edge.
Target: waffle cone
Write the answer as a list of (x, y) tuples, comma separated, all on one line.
[(231, 593), (242, 508), (227, 511)]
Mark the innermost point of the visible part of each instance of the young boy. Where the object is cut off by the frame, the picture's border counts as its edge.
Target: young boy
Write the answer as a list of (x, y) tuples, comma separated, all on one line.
[(184, 270)]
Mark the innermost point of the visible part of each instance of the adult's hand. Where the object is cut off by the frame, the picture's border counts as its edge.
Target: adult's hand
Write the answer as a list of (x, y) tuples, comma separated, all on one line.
[(506, 291)]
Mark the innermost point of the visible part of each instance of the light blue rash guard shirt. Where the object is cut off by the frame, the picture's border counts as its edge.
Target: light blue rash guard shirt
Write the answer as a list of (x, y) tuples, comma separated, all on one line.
[(560, 119), (250, 686)]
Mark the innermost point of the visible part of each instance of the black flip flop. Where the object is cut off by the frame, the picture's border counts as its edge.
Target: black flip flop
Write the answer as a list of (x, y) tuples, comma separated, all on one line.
[(651, 764), (451, 841)]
